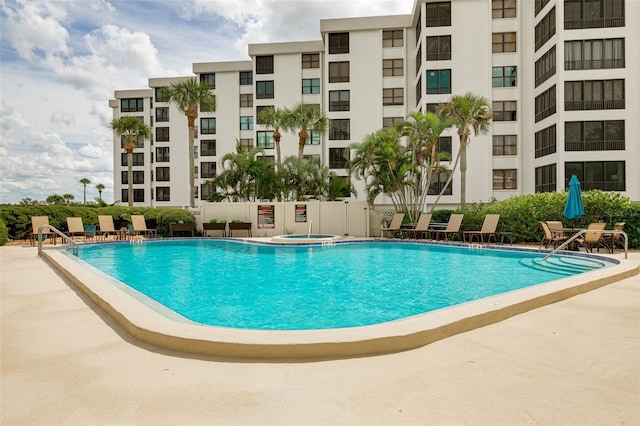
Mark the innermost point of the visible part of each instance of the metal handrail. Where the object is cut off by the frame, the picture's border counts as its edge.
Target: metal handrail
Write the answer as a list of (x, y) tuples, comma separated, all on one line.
[(599, 231), (61, 234)]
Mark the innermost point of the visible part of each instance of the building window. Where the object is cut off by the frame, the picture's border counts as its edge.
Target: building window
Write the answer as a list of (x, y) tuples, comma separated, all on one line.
[(594, 54), (388, 122), (131, 105), (593, 14), (338, 158), (504, 110), (392, 67), (418, 27), (503, 9), (339, 100), (503, 42), (539, 5), (593, 94), (444, 144), (264, 64), (545, 104), (392, 38), (246, 78), (264, 89), (438, 48), (503, 76), (438, 183), (265, 139), (505, 179), (162, 94), (339, 129), (419, 91), (162, 114), (339, 72), (594, 135), (438, 14), (310, 60), (546, 178), (545, 66), (438, 81), (393, 96), (433, 107), (505, 145), (208, 80), (208, 126), (545, 29), (208, 169), (259, 110), (208, 147), (207, 190), (163, 193), (545, 142), (138, 177), (137, 159), (138, 195), (602, 175), (163, 174), (314, 137), (162, 154), (338, 43), (162, 134), (246, 100), (310, 86), (246, 123), (247, 143)]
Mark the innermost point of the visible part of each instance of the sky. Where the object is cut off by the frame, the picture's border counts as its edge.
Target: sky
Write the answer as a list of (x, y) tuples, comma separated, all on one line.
[(62, 60)]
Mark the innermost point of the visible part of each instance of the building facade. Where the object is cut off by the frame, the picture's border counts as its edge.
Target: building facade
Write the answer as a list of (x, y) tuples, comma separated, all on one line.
[(561, 77)]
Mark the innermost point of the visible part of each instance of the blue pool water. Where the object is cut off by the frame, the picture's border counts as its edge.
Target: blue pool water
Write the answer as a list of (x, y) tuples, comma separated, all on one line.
[(235, 284)]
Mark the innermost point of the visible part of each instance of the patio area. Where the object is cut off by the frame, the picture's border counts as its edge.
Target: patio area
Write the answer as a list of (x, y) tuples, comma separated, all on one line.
[(66, 362)]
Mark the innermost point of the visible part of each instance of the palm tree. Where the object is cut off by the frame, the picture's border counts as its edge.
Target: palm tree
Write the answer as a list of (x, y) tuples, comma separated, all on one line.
[(307, 117), (240, 174), (68, 198), (85, 182), (100, 188), (55, 199), (469, 112), (134, 131), (278, 118), (189, 95)]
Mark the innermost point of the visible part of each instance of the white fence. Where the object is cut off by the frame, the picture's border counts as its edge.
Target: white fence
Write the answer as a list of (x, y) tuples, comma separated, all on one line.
[(280, 218)]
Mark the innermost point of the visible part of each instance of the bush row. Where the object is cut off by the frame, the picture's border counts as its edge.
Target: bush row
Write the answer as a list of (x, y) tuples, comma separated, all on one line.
[(18, 218)]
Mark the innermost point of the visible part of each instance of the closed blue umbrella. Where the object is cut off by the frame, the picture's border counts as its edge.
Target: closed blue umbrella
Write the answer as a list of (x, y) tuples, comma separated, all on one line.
[(573, 209)]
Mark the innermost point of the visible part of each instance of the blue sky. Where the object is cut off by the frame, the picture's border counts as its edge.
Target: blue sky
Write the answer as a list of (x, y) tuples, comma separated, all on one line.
[(61, 61)]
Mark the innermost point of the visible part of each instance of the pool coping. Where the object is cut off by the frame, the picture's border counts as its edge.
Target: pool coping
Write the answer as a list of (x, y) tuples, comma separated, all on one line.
[(150, 326)]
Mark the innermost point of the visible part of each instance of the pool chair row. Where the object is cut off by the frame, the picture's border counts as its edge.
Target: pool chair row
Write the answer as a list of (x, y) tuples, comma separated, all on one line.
[(555, 234), (425, 229), (106, 230)]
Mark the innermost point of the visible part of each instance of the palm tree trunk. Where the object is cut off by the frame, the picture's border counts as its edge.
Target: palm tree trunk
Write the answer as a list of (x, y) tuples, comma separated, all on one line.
[(130, 178), (463, 177), (192, 114), (276, 138), (303, 135)]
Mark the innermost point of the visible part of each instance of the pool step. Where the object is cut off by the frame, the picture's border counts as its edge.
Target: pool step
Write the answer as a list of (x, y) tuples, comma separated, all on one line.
[(565, 265)]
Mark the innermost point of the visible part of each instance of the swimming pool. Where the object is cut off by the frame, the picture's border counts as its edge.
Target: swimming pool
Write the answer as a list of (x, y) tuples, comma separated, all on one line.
[(266, 287)]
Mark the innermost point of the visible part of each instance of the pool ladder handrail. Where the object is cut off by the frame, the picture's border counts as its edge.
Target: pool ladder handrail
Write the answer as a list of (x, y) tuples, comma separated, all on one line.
[(599, 231), (61, 234)]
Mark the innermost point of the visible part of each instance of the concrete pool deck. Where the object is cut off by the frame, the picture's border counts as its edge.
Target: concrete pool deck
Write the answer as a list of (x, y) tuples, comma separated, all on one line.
[(66, 362)]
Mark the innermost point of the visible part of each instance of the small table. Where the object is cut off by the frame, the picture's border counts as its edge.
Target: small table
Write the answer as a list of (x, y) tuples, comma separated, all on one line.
[(507, 234), (181, 227)]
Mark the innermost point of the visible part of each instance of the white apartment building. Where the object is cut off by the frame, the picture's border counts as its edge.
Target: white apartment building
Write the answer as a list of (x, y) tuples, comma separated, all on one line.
[(561, 76)]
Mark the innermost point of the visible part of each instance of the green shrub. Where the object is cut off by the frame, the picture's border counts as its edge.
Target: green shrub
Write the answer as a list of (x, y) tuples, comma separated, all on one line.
[(4, 233)]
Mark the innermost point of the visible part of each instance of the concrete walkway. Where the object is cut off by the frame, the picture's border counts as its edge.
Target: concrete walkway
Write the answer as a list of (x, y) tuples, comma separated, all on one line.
[(576, 362)]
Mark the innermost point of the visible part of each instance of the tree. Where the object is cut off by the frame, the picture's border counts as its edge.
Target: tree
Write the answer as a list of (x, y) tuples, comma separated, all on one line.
[(55, 199), (134, 131), (189, 96), (85, 182), (278, 118), (100, 188), (469, 112), (240, 174), (68, 198), (307, 118)]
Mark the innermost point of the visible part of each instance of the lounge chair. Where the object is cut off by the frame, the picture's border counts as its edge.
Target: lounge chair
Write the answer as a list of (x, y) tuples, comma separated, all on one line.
[(394, 226), (422, 227), (489, 227), (615, 240), (140, 226), (589, 240), (555, 226), (453, 227), (76, 228), (36, 223), (554, 238), (107, 228)]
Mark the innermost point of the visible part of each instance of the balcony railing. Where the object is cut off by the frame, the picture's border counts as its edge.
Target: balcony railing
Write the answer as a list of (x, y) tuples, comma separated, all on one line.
[(591, 105), (594, 64), (545, 113), (577, 24), (613, 145), (545, 76), (441, 56)]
